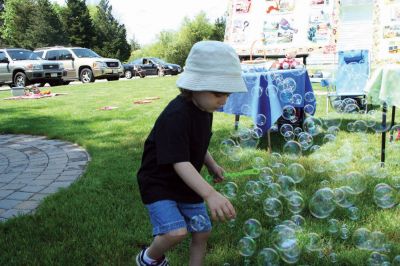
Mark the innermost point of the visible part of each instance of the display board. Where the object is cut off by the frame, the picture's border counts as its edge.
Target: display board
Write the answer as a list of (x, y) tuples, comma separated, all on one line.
[(387, 36), (272, 27)]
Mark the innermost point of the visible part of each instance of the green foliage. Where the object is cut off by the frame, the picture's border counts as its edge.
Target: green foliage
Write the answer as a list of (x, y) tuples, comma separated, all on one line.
[(46, 29), (174, 47), (110, 35), (18, 18), (218, 33), (78, 24)]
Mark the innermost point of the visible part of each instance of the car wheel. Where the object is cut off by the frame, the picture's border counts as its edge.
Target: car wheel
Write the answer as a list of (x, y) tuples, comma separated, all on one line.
[(128, 74), (86, 75), (42, 84), (20, 79)]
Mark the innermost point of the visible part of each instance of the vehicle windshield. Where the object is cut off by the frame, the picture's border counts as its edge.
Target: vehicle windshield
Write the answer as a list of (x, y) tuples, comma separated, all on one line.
[(157, 60), (22, 55), (84, 53)]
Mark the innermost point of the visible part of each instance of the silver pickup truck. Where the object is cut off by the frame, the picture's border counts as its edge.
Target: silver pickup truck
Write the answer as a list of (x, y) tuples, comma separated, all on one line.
[(21, 67)]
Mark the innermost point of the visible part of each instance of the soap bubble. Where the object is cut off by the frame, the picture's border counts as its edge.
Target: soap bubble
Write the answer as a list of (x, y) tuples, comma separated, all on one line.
[(231, 223), (283, 237), (313, 242), (230, 190), (268, 256), (236, 153), (266, 175), (377, 259), (244, 133), (306, 140), (253, 188), (332, 120), (272, 207), (226, 146), (289, 84), (333, 226), (344, 232), (246, 246), (395, 181), (361, 238), (258, 162), (289, 135), (356, 181), (298, 220), (309, 109), (321, 204), (257, 91), (288, 112), (384, 196), (312, 125), (297, 172), (351, 108), (378, 241), (360, 126), (275, 158), (292, 149), (291, 255), (333, 257), (245, 109), (329, 138), (297, 99), (285, 128), (309, 96), (261, 120), (274, 190), (295, 203), (287, 184), (378, 126), (396, 261), (353, 213), (343, 196), (297, 130), (198, 223), (286, 96), (252, 228)]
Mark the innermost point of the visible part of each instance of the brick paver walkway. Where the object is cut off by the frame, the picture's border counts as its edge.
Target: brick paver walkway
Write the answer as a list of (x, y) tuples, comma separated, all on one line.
[(32, 168)]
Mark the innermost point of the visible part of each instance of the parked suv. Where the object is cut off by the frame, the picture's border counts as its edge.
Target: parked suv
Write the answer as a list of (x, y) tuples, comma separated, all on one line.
[(20, 67), (82, 63)]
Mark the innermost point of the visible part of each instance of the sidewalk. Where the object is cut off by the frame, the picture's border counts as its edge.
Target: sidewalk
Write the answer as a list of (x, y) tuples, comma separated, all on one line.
[(33, 167)]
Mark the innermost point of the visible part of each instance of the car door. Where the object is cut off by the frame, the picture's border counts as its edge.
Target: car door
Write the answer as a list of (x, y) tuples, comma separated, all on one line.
[(5, 72), (67, 59), (153, 67), (147, 66)]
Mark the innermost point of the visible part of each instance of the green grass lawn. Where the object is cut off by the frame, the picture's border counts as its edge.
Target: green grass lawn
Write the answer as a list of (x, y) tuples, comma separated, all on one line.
[(100, 219)]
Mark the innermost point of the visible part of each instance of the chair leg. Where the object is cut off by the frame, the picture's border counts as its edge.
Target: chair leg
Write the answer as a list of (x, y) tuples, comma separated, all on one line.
[(327, 104)]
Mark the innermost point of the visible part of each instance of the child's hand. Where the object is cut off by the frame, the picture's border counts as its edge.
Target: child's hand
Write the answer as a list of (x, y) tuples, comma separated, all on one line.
[(217, 172), (220, 207)]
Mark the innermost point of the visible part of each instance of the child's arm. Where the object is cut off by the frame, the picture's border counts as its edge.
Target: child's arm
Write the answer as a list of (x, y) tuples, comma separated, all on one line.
[(213, 168), (220, 207)]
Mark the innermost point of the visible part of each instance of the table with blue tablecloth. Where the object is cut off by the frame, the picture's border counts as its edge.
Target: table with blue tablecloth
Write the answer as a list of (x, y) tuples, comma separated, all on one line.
[(269, 93), (383, 87)]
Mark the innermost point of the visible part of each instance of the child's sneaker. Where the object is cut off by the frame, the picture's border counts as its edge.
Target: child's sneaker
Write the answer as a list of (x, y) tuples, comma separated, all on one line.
[(140, 260)]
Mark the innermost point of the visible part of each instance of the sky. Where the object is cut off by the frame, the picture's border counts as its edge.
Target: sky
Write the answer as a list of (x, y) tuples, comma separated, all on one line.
[(144, 19)]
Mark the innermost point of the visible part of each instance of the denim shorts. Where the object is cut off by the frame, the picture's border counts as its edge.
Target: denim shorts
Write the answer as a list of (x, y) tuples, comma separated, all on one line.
[(168, 215)]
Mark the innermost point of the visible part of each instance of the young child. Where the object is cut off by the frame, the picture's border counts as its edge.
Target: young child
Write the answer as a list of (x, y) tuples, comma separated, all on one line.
[(170, 184)]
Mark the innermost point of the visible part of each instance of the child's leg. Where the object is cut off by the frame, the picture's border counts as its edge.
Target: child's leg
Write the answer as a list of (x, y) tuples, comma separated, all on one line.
[(198, 248), (163, 243)]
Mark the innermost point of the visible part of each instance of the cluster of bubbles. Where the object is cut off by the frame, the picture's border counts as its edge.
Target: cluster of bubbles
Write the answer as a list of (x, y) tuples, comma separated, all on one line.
[(335, 199)]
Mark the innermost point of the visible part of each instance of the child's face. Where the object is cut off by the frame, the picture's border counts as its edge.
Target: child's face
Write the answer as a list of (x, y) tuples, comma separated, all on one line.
[(209, 101)]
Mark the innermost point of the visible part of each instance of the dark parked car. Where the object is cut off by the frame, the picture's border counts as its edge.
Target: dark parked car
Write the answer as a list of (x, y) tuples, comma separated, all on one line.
[(131, 71), (156, 66)]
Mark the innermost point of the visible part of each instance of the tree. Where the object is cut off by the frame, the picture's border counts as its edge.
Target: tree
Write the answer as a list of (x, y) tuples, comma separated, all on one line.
[(218, 33), (18, 17), (2, 42), (135, 45), (46, 29), (78, 24), (111, 36)]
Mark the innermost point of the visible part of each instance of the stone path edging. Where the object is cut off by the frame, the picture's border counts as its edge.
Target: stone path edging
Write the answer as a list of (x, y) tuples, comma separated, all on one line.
[(33, 167)]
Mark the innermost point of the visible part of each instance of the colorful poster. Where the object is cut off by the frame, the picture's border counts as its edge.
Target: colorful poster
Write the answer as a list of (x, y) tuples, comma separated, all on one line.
[(275, 26), (389, 41)]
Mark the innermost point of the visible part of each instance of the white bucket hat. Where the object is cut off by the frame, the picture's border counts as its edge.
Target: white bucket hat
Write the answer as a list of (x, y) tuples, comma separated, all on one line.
[(212, 66)]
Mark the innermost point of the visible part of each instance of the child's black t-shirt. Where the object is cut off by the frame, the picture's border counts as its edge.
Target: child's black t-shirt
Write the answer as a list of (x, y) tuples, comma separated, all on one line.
[(181, 133)]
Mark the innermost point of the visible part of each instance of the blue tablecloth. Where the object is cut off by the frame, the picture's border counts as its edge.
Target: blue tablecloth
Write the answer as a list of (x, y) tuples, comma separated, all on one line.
[(263, 96)]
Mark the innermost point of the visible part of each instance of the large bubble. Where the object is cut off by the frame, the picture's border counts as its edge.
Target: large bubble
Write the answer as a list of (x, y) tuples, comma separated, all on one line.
[(297, 172), (312, 125), (384, 196), (252, 228), (292, 149), (198, 223), (321, 204), (268, 256), (246, 246), (230, 190), (272, 207)]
